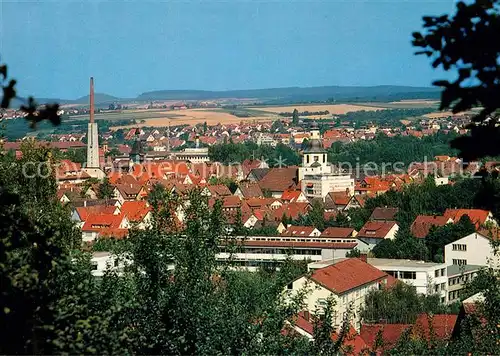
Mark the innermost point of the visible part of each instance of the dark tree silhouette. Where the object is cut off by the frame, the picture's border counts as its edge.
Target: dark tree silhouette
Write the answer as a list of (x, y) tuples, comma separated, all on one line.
[(467, 44), (295, 117), (34, 113)]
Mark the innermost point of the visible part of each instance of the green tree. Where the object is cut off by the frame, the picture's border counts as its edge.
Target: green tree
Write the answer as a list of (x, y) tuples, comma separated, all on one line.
[(295, 117), (447, 41), (105, 190), (399, 304), (113, 152), (353, 253), (316, 215), (47, 288), (440, 236)]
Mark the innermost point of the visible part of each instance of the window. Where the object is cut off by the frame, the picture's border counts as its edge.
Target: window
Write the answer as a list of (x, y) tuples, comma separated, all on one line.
[(459, 262), (459, 247), (94, 266), (289, 286), (408, 275), (321, 305), (439, 272)]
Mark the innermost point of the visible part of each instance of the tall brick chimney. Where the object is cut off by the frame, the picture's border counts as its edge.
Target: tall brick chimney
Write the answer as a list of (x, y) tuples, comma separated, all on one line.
[(92, 108)]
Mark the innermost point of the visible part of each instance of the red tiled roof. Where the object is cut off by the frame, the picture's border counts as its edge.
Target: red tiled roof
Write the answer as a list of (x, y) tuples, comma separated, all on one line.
[(292, 210), (421, 226), (361, 198), (390, 333), (250, 190), (113, 233), (340, 198), (298, 231), (477, 216), (249, 164), (135, 210), (85, 211), (291, 195), (231, 201), (442, 158), (52, 144), (347, 274), (219, 190), (304, 322), (353, 343), (301, 244), (338, 232), (128, 190), (391, 281), (260, 202), (442, 325), (97, 222), (279, 179), (376, 229), (380, 213)]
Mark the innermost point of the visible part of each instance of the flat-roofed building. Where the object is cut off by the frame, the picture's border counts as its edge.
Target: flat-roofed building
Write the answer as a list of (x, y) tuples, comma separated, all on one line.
[(457, 277), (258, 251), (427, 277)]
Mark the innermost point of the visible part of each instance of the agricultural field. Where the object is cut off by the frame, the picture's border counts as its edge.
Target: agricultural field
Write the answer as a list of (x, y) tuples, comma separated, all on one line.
[(213, 116), (334, 109), (237, 114)]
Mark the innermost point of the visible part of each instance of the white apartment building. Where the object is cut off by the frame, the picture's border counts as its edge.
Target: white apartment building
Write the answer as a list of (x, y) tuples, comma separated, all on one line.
[(473, 249), (263, 139), (193, 155), (426, 277), (253, 252), (347, 281)]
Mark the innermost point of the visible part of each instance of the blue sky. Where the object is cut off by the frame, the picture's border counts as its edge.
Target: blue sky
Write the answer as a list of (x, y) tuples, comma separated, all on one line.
[(52, 47)]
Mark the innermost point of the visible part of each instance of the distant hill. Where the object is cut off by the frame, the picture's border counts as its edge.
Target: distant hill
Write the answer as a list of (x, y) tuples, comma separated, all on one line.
[(332, 93), (270, 96), (99, 98)]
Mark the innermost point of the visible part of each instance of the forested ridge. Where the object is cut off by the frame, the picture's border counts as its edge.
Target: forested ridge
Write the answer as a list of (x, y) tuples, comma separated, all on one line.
[(385, 149)]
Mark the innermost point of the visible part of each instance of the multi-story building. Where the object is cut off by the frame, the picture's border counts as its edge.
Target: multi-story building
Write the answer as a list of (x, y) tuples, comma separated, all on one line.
[(347, 281), (265, 139), (319, 177), (253, 252), (427, 277), (193, 155), (457, 277), (474, 249)]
